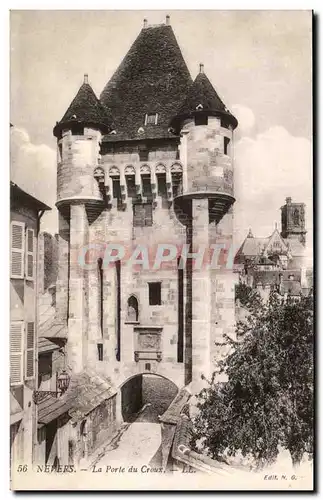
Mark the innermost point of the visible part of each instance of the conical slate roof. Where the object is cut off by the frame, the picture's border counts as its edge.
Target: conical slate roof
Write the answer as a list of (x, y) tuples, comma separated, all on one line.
[(152, 78), (85, 109), (202, 97)]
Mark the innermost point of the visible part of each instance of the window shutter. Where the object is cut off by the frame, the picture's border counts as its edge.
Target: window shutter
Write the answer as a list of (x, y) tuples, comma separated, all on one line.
[(30, 254), (16, 352), (17, 249), (30, 351)]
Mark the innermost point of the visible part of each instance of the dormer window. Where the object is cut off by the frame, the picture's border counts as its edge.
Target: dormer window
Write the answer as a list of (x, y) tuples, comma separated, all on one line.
[(151, 118)]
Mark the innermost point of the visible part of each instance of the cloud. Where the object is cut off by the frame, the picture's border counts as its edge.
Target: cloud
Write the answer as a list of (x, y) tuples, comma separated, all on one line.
[(245, 117), (268, 168), (33, 168)]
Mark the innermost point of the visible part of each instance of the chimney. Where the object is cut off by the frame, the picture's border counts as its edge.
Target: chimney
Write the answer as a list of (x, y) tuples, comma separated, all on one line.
[(201, 68), (145, 23), (167, 20), (86, 78)]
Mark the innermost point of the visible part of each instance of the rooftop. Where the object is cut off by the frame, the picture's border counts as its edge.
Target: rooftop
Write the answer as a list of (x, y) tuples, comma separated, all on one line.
[(85, 109), (202, 98), (20, 197), (152, 78)]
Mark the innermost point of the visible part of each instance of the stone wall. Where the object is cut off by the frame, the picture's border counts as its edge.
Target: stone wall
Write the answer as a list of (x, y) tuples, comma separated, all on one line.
[(112, 223), (159, 393)]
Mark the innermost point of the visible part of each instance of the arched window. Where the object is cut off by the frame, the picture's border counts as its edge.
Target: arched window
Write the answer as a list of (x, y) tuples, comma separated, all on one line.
[(132, 309), (296, 217)]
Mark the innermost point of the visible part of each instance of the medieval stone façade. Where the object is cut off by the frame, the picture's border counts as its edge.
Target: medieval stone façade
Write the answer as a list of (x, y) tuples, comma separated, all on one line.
[(150, 163)]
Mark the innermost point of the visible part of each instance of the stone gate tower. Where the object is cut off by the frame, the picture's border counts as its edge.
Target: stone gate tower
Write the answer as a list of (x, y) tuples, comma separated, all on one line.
[(204, 206), (148, 163)]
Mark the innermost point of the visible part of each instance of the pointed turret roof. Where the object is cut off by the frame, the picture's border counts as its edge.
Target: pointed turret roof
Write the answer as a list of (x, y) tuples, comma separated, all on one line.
[(152, 78), (85, 109), (202, 98)]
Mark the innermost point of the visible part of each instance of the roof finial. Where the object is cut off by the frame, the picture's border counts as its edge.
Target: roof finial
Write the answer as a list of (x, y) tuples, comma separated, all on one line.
[(288, 200), (201, 68), (250, 235), (86, 78), (276, 226), (145, 23), (167, 20)]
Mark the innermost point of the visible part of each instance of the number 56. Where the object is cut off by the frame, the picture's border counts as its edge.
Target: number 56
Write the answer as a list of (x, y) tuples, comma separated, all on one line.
[(22, 468)]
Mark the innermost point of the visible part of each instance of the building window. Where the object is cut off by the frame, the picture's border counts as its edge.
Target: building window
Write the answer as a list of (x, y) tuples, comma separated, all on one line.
[(296, 217), (201, 119), (151, 119), (226, 145), (116, 190), (146, 185), (100, 352), (30, 351), (131, 186), (77, 129), (133, 310), (16, 352), (154, 294), (142, 214), (60, 152), (161, 185), (30, 254), (176, 183), (17, 241), (147, 367), (143, 152)]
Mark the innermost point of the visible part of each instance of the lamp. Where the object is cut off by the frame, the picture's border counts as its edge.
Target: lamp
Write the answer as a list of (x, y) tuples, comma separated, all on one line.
[(62, 383)]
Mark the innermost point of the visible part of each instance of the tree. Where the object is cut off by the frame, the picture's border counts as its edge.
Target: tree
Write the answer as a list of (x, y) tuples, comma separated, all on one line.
[(267, 400), (248, 297)]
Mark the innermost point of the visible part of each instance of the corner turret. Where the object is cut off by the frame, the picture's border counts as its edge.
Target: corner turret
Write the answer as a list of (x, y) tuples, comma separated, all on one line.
[(78, 147), (206, 127)]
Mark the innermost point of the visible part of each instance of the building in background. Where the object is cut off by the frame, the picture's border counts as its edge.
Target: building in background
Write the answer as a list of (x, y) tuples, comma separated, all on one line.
[(279, 260), (25, 215)]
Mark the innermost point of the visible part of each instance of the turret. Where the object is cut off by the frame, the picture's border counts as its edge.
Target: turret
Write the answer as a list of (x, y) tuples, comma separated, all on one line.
[(206, 127), (79, 201), (78, 147), (293, 220)]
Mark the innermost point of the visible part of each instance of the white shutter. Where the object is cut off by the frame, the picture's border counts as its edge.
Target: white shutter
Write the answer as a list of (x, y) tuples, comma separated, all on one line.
[(17, 242), (29, 254), (16, 352), (30, 351)]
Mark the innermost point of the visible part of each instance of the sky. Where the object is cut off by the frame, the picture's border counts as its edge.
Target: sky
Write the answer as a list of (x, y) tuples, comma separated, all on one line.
[(258, 61)]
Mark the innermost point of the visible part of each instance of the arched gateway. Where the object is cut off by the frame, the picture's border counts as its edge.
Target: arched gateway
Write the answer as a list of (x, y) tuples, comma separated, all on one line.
[(145, 396)]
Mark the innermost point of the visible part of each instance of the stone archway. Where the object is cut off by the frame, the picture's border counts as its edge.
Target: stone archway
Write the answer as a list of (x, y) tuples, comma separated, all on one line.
[(146, 396)]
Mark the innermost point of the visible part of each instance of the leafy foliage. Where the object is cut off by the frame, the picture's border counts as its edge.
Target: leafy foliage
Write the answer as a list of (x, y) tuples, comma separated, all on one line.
[(248, 297), (267, 400)]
